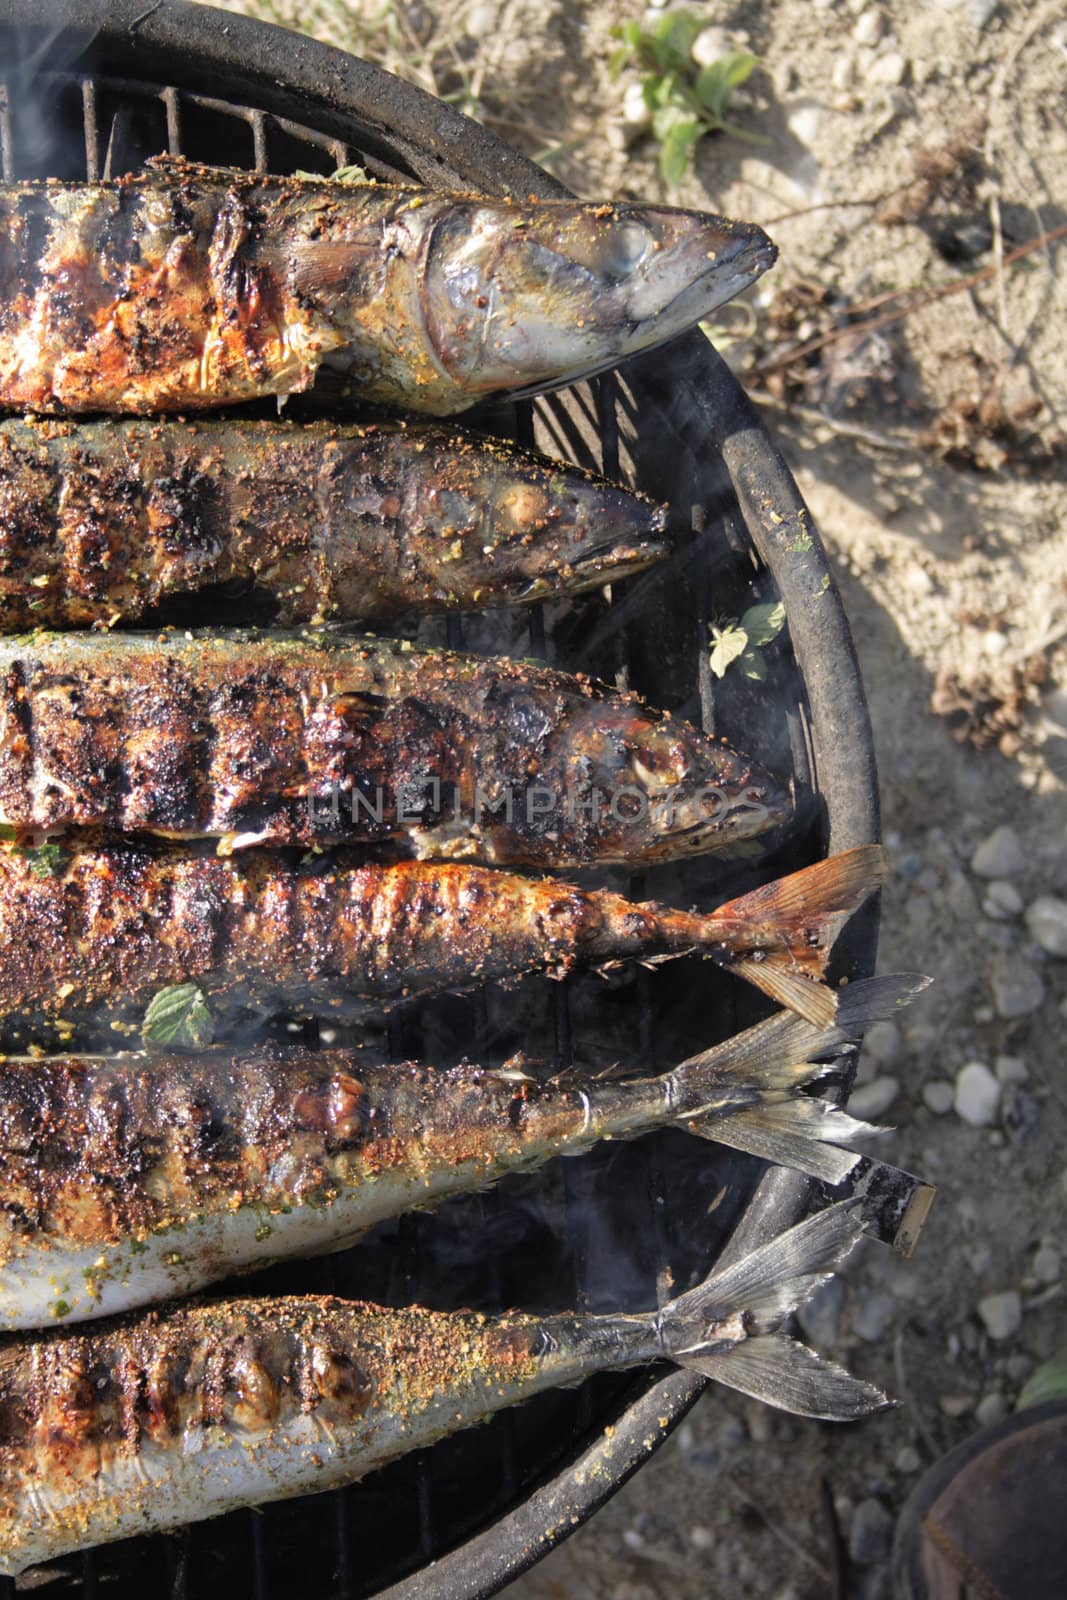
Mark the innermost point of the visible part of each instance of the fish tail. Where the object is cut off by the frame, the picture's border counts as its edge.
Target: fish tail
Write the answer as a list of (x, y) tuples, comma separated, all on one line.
[(780, 935), (730, 1327)]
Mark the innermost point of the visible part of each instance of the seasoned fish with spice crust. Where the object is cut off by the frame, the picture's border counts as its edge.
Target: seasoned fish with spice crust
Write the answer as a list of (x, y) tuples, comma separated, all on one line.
[(182, 287), (129, 1180), (101, 520), (320, 738), (96, 931), (150, 1422)]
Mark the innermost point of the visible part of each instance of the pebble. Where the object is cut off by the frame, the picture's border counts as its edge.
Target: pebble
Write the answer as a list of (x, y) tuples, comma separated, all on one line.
[(1046, 919), (884, 1042), (1056, 706), (710, 45), (873, 1315), (1018, 1367), (1000, 855), (938, 1096), (1002, 899), (701, 1538), (980, 11), (870, 25), (1002, 1314), (977, 1095), (956, 1405), (636, 116), (888, 70), (960, 898), (870, 1537), (873, 1099), (907, 1459), (1017, 988), (821, 1317), (991, 1408), (1011, 1069), (1047, 1265)]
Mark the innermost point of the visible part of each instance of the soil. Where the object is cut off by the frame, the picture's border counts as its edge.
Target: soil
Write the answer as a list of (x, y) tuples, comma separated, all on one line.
[(907, 145)]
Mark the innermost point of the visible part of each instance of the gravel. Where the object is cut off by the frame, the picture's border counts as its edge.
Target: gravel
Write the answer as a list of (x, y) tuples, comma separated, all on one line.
[(907, 1459), (991, 1408), (1002, 1314), (938, 1096), (977, 1095), (1046, 920), (1002, 899), (873, 1316), (873, 1099), (870, 1538), (888, 70), (1011, 1069), (884, 1043), (820, 1319), (1048, 1264), (1018, 988), (1000, 855)]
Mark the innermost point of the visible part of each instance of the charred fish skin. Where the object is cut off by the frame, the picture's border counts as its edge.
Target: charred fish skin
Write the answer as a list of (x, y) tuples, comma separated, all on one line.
[(92, 932), (183, 287), (125, 1181), (100, 521), (305, 739), (147, 1423)]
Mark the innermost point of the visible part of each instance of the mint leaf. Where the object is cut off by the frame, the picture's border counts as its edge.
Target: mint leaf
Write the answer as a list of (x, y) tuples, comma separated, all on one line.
[(45, 860), (764, 623), (676, 148), (178, 1017), (727, 645)]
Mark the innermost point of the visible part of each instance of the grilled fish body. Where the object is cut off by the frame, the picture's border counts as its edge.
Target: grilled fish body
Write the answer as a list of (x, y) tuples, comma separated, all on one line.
[(129, 1180), (183, 287), (148, 1423), (100, 521), (94, 934), (300, 739)]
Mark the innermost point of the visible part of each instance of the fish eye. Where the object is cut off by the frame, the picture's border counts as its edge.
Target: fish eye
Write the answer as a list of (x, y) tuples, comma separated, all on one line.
[(624, 249)]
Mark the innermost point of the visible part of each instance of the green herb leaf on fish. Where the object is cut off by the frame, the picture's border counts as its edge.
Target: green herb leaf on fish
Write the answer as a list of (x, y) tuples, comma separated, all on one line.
[(179, 1018), (45, 860), (351, 174)]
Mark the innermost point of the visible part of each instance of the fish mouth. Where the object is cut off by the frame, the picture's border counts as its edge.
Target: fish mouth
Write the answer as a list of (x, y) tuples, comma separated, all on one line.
[(606, 562)]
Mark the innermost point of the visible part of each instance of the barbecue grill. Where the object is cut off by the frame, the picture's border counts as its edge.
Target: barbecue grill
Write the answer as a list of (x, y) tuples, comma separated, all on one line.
[(93, 91)]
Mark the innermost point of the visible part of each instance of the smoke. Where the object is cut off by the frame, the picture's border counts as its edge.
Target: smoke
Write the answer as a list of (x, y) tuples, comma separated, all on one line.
[(42, 115)]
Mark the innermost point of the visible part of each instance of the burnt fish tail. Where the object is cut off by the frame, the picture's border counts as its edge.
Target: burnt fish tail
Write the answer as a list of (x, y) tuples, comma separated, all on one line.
[(151, 1422), (89, 933), (184, 287), (304, 738), (100, 521), (129, 1180)]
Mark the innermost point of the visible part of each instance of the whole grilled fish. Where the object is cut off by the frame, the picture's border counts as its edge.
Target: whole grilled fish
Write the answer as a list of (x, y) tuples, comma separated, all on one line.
[(182, 287), (319, 738), (95, 931), (101, 520), (149, 1422), (128, 1180)]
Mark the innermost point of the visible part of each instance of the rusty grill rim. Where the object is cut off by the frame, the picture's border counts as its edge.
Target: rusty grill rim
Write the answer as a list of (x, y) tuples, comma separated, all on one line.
[(266, 70)]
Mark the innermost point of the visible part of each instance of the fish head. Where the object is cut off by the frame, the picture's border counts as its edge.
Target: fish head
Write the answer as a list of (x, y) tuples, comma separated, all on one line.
[(668, 790), (586, 533), (521, 298)]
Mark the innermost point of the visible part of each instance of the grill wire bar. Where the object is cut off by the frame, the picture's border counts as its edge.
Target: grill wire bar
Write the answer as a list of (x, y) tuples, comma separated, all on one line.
[(117, 114)]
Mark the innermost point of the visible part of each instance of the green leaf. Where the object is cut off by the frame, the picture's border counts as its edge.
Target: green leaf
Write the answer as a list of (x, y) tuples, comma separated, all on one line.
[(752, 664), (178, 1017), (351, 174), (45, 860), (666, 118), (715, 84), (677, 148), (727, 644), (673, 35), (7, 830), (764, 623)]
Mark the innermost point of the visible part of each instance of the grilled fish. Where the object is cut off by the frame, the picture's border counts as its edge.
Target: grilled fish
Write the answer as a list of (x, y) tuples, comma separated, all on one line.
[(149, 1422), (319, 738), (129, 1180), (94, 932), (182, 287), (100, 521)]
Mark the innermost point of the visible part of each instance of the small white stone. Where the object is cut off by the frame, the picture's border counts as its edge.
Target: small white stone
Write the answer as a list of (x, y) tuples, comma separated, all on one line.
[(1011, 1069), (938, 1096), (1055, 706), (1048, 1265), (883, 1043), (483, 21), (1000, 855), (1046, 920), (1018, 989), (1002, 1314), (870, 25), (907, 1459), (990, 1409), (1002, 899), (980, 11), (873, 1099), (710, 45), (956, 1405), (803, 122), (701, 1538), (994, 643), (888, 70), (977, 1095), (636, 115), (843, 73)]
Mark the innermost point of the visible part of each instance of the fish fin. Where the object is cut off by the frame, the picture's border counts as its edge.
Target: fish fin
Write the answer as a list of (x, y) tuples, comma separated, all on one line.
[(786, 1133), (729, 1327), (783, 932), (787, 1374)]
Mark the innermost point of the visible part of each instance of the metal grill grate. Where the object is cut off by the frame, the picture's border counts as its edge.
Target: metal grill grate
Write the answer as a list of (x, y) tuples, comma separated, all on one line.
[(628, 1224)]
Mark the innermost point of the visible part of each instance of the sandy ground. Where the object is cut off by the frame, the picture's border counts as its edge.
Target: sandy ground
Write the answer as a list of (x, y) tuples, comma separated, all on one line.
[(931, 451)]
